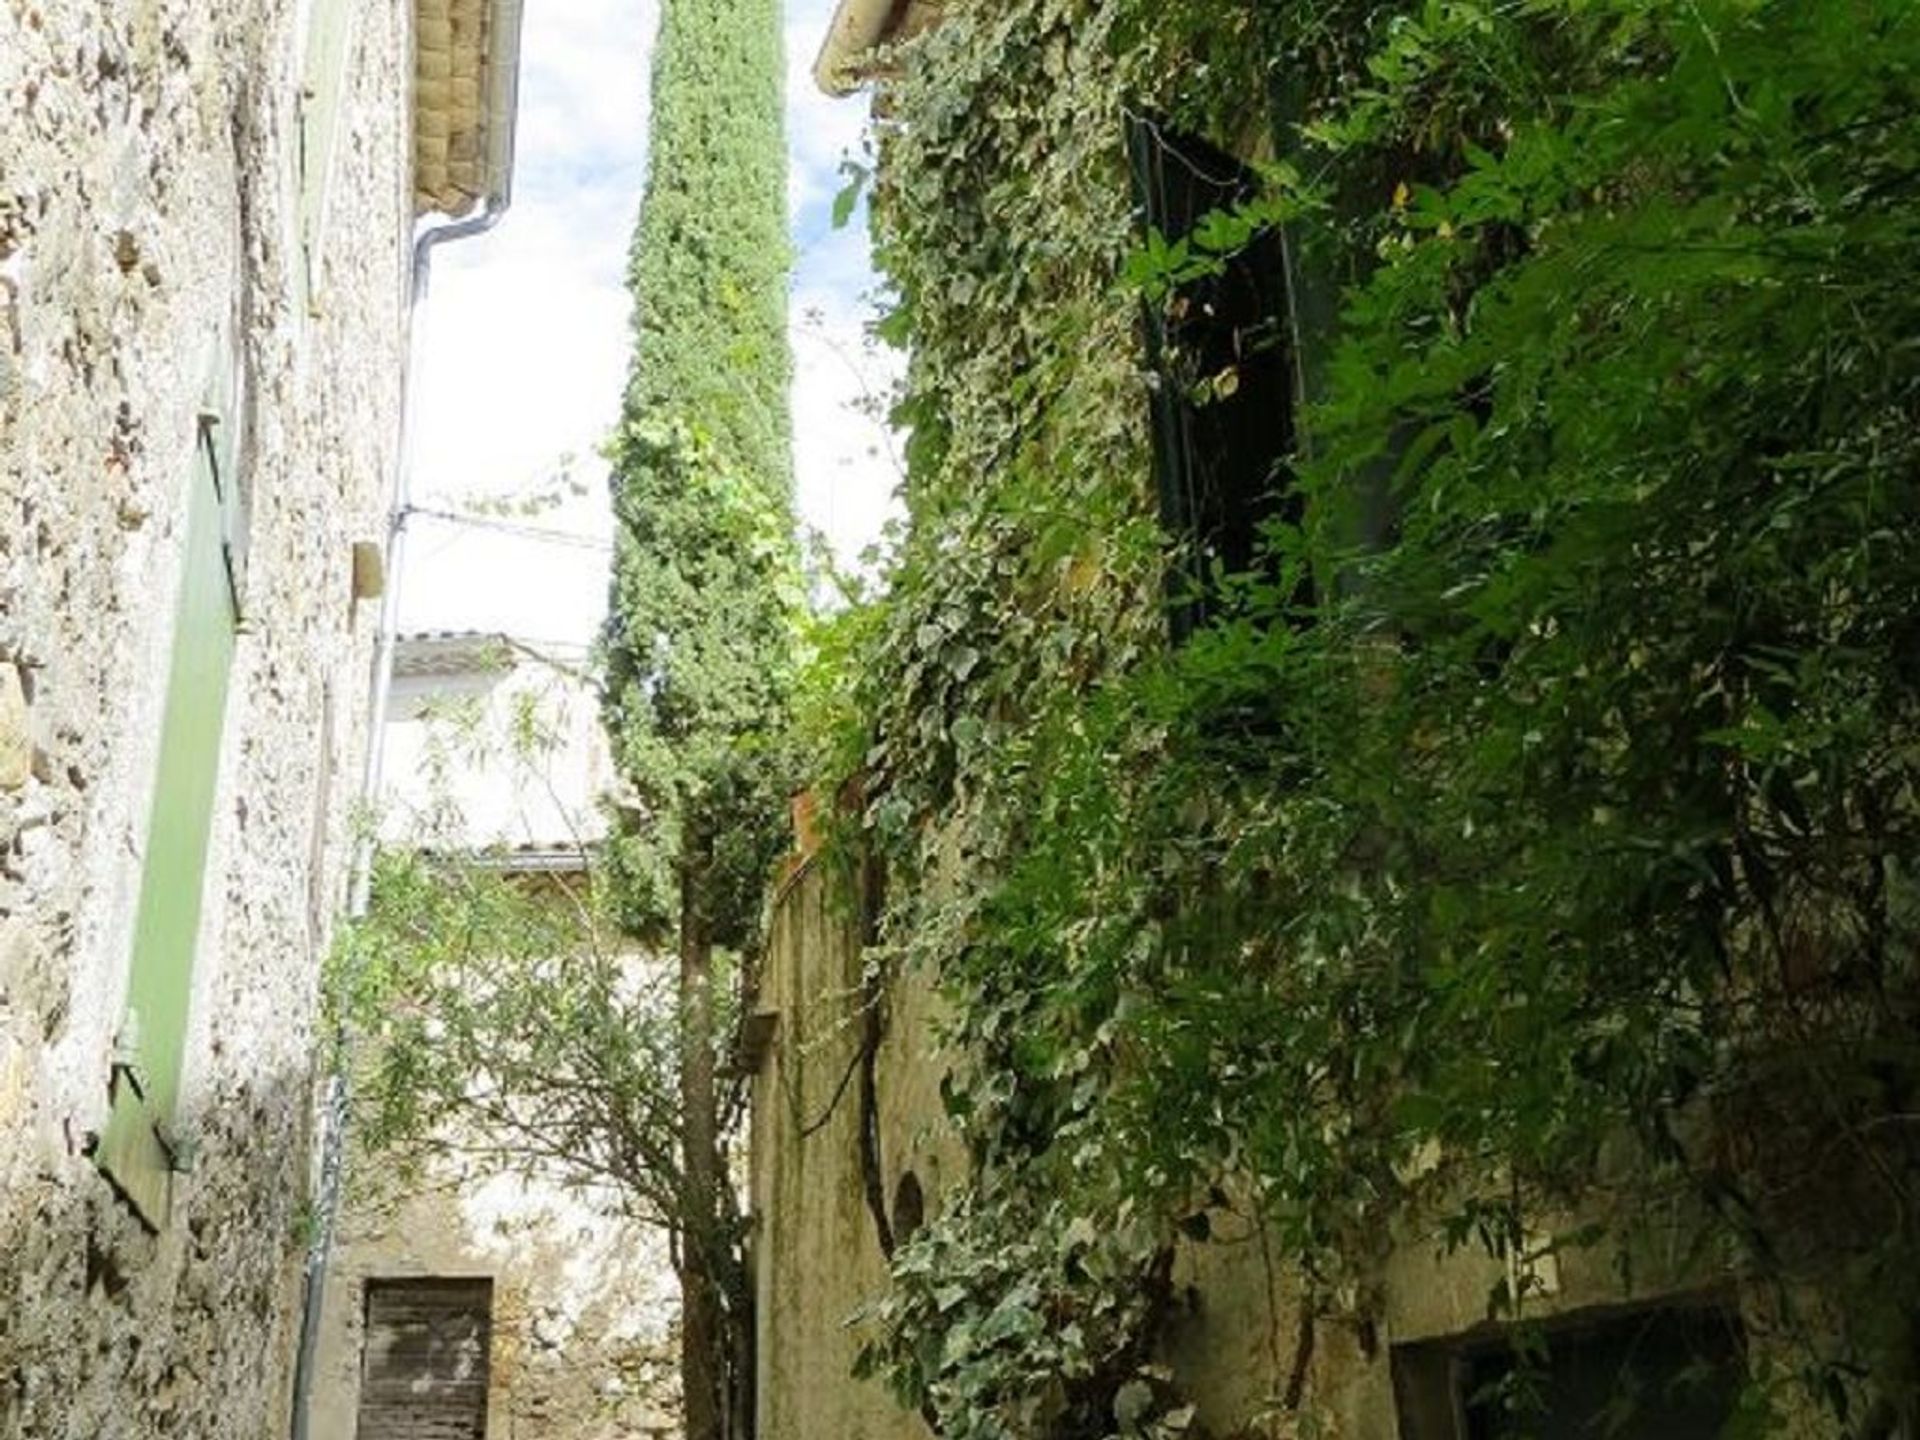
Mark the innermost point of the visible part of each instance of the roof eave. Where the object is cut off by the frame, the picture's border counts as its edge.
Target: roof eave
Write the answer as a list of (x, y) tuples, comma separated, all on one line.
[(490, 191), (857, 30)]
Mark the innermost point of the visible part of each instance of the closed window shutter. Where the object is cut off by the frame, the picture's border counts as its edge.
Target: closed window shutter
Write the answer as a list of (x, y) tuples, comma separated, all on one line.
[(323, 82), (424, 1371), (218, 451), (140, 1148)]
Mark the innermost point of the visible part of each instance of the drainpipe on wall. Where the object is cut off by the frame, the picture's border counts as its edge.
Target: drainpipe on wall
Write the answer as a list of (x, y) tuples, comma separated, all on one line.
[(505, 107), (402, 511)]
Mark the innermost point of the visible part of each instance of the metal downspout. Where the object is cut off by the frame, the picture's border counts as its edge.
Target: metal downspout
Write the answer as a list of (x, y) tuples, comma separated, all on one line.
[(334, 1113)]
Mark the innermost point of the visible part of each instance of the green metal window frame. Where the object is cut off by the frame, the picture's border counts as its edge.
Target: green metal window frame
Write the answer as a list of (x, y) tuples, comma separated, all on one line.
[(142, 1146), (1220, 461)]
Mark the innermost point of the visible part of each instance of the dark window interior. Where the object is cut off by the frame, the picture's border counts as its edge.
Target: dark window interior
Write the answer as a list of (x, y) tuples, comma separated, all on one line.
[(909, 1208), (1218, 450), (1671, 1373)]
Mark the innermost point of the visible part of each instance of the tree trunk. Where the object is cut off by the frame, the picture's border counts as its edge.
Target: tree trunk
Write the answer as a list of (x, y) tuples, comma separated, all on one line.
[(703, 1340), (741, 1337)]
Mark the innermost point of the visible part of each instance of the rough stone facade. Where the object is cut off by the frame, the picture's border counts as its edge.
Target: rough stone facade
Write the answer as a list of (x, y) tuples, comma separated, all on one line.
[(150, 204), (582, 1344)]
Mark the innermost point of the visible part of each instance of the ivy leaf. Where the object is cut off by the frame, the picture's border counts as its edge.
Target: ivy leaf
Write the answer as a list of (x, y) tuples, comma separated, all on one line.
[(847, 198), (1131, 1402)]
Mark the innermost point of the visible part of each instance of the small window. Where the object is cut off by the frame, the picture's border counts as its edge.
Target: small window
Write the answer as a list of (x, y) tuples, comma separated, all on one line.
[(1220, 349), (425, 1362), (1671, 1373)]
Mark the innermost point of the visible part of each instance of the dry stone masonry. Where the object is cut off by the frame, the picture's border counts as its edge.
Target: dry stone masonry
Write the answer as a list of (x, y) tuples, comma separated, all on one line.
[(156, 227)]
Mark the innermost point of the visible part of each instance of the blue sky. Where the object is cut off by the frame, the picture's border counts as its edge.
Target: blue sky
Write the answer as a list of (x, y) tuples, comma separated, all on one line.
[(525, 333)]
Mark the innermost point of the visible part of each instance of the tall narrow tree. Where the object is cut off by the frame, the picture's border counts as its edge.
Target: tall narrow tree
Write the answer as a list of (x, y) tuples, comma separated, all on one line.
[(704, 586)]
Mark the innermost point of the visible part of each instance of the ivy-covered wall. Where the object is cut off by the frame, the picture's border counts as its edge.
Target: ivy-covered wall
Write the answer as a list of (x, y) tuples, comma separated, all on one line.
[(1520, 863)]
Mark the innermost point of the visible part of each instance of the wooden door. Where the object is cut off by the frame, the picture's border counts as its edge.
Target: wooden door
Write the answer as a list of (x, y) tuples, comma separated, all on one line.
[(424, 1368)]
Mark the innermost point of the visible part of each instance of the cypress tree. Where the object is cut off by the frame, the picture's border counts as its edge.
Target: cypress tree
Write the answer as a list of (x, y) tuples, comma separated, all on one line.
[(704, 592)]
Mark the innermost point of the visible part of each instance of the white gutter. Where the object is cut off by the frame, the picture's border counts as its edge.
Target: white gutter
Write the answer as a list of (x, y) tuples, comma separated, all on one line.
[(503, 111)]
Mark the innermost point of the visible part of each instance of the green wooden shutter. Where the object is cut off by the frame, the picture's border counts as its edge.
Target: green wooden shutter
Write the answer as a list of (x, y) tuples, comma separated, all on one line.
[(322, 81), (140, 1151)]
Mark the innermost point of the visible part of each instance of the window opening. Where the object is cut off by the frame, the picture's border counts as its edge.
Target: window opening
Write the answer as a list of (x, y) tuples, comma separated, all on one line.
[(909, 1208), (1672, 1373), (1220, 349)]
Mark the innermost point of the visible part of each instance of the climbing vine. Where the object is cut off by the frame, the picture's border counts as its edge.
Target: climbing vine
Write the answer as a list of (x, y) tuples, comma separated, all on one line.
[(1552, 851)]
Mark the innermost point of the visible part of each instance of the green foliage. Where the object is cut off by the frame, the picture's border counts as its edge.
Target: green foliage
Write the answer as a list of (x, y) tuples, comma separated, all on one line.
[(706, 594), (710, 256), (834, 643), (502, 1026), (706, 586), (1567, 842), (983, 1297)]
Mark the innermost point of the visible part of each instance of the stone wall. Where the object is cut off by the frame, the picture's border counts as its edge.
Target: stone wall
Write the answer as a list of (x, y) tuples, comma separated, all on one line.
[(583, 1342), (149, 197), (816, 1252), (1233, 1341)]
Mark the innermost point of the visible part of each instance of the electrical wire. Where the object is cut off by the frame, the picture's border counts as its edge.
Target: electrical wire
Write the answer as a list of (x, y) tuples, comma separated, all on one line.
[(512, 527)]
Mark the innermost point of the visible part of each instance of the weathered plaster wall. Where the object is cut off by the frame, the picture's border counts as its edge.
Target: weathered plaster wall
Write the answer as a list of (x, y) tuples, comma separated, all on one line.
[(816, 1250), (490, 743), (148, 193), (584, 1303), (1233, 1340)]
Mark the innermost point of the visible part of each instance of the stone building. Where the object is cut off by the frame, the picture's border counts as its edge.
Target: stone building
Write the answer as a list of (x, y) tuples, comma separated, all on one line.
[(493, 743), (208, 221), (826, 1154), (853, 1149), (499, 1303)]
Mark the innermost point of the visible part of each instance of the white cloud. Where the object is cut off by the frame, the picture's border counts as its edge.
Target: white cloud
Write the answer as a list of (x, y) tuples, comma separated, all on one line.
[(528, 337), (821, 130), (847, 464)]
